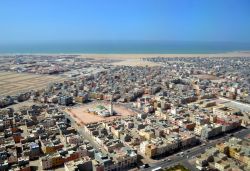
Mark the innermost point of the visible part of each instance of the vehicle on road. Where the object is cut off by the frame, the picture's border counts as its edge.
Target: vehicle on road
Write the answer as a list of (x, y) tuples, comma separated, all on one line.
[(144, 166), (157, 169), (168, 160)]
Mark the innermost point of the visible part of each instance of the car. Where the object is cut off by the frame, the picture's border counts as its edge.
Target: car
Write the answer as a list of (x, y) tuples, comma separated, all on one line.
[(157, 169), (144, 166)]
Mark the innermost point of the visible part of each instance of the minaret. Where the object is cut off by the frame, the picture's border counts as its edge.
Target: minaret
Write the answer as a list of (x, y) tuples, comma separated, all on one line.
[(111, 105)]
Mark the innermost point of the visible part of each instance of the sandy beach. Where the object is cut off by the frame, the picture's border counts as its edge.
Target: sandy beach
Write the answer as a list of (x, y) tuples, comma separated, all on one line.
[(135, 59), (141, 55), (134, 56)]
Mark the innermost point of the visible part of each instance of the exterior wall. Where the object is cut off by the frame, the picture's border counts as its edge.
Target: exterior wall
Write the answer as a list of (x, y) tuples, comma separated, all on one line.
[(12, 159), (28, 168), (232, 152), (197, 130), (150, 151), (17, 138), (83, 152), (46, 164), (190, 126), (72, 156), (34, 152), (48, 150), (147, 135), (223, 149), (57, 161), (73, 140)]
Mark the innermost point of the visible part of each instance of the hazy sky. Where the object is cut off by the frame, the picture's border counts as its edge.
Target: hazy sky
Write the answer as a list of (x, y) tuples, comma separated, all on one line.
[(37, 21)]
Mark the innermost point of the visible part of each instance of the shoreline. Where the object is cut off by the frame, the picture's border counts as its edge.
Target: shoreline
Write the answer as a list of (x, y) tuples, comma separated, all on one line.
[(136, 56), (139, 55)]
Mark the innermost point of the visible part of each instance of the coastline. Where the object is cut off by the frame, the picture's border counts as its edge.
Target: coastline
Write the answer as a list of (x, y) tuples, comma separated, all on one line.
[(136, 56), (124, 56), (135, 59), (140, 55)]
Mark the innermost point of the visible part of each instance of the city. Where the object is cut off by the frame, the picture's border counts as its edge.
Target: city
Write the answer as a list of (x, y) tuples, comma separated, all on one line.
[(129, 85), (96, 115)]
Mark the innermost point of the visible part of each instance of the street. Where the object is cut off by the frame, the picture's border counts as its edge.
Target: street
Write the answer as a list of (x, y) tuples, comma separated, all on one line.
[(183, 160)]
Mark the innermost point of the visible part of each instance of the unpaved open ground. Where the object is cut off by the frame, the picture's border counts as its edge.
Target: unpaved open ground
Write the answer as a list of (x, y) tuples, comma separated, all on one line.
[(207, 77), (81, 115), (12, 83), (135, 62), (134, 56)]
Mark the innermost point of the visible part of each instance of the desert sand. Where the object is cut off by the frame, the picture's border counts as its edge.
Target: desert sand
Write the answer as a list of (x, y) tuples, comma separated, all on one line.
[(134, 56), (135, 59)]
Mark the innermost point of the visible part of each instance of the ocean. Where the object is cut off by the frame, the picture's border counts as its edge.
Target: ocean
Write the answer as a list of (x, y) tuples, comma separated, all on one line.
[(116, 47)]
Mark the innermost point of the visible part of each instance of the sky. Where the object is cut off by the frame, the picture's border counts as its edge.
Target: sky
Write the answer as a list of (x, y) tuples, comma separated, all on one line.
[(41, 21)]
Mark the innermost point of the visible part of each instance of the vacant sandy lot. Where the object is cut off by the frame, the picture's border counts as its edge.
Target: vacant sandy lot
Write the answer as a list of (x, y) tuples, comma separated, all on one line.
[(207, 77), (82, 116), (12, 83), (135, 62)]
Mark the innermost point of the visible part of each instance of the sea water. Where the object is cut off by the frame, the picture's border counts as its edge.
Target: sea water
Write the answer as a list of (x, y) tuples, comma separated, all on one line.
[(125, 47)]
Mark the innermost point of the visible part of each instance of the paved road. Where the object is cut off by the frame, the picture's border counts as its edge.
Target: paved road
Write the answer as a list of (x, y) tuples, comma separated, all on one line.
[(179, 159), (237, 104), (194, 152)]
